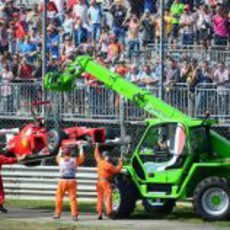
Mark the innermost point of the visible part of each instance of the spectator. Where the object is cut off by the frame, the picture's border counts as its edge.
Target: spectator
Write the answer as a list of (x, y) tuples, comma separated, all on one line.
[(3, 37), (133, 25), (136, 7), (25, 70), (20, 28), (168, 24), (14, 65), (104, 42), (70, 4), (6, 90), (115, 50), (50, 5), (67, 51), (3, 12), (203, 25), (119, 13), (80, 33), (34, 36), (150, 5), (28, 91), (186, 72), (146, 77), (176, 11), (29, 50), (173, 73), (68, 24), (132, 74), (52, 11), (204, 77), (53, 42), (80, 11), (52, 65), (33, 20), (187, 26), (222, 78), (94, 16), (11, 38), (220, 28), (60, 4), (148, 23)]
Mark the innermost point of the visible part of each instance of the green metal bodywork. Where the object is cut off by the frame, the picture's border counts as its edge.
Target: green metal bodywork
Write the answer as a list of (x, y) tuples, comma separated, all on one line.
[(201, 157)]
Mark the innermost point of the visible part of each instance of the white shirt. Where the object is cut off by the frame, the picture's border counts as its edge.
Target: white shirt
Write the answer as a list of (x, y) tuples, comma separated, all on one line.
[(60, 5), (185, 18), (80, 11), (222, 77), (202, 20)]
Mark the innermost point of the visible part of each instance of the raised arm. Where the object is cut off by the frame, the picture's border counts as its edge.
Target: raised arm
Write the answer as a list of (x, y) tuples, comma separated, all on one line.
[(97, 153), (110, 167), (81, 158)]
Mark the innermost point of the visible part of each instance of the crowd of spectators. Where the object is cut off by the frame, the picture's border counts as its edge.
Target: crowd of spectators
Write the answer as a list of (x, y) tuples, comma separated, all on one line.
[(112, 31)]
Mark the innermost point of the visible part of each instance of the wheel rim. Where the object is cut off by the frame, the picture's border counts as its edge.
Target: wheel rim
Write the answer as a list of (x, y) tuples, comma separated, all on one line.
[(215, 201), (51, 140), (116, 198)]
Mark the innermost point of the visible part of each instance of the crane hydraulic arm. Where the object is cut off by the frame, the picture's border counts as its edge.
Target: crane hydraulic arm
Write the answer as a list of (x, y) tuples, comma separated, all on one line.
[(145, 100)]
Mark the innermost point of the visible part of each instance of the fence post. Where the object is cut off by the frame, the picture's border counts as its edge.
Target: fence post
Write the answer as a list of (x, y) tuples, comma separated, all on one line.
[(122, 122), (190, 102), (44, 31)]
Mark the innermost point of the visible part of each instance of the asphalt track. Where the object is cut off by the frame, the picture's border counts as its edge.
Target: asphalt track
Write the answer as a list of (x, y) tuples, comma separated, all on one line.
[(89, 221)]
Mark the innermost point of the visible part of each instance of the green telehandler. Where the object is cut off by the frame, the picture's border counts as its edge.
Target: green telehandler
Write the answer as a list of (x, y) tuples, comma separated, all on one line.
[(177, 158)]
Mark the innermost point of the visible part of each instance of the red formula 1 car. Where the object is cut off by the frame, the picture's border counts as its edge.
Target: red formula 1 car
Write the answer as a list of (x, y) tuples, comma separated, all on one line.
[(36, 142)]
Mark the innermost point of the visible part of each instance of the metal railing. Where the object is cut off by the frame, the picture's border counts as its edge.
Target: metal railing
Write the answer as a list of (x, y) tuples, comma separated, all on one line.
[(99, 103), (40, 182), (27, 3), (213, 54)]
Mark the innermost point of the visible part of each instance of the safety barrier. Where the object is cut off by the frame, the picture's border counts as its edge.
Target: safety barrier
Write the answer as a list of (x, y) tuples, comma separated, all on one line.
[(100, 103), (39, 183)]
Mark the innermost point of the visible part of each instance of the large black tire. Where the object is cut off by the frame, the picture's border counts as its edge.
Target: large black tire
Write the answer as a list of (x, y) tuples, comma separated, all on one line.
[(211, 199), (54, 139), (165, 209), (125, 196)]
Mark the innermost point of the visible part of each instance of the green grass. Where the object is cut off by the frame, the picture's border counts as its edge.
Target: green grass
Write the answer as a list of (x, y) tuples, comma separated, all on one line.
[(181, 214)]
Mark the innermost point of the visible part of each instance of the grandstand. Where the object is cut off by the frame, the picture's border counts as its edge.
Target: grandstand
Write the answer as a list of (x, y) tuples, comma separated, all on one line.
[(124, 36)]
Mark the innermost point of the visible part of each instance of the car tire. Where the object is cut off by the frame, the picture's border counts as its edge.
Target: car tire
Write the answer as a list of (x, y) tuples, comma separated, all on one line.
[(125, 196), (54, 139)]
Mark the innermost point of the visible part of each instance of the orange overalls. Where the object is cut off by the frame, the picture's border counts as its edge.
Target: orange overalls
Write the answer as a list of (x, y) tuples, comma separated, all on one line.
[(105, 171), (68, 183)]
